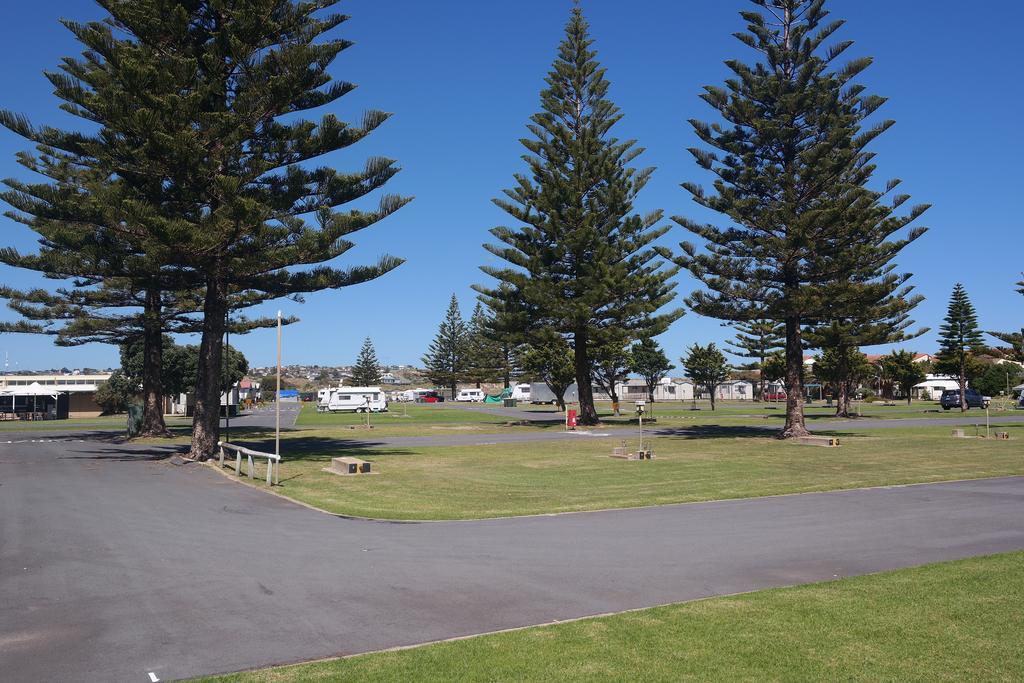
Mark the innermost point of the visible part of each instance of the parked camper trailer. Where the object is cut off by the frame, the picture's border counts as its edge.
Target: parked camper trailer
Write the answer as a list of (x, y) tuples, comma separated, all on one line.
[(357, 400), (521, 392), (470, 395)]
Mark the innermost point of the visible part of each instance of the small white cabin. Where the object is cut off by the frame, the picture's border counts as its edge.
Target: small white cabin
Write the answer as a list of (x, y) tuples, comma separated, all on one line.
[(470, 395), (354, 400)]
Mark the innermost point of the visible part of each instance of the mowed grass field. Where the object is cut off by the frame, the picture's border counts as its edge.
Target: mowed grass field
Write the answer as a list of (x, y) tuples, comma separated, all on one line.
[(411, 419), (954, 621), (569, 475)]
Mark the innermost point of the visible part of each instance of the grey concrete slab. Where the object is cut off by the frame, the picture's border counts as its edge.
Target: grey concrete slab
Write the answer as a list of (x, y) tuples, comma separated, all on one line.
[(114, 563)]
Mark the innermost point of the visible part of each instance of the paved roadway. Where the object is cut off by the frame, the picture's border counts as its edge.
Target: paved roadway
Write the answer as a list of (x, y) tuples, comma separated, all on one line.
[(115, 563)]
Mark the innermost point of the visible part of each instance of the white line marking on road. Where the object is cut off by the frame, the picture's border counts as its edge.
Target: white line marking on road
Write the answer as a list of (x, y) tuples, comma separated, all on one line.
[(152, 677)]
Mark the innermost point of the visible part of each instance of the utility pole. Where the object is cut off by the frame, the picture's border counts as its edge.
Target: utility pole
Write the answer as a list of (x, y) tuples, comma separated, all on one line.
[(277, 401), (227, 375)]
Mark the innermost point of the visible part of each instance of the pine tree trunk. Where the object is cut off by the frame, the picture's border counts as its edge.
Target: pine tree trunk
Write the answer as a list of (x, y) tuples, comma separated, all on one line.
[(962, 380), (842, 399), (588, 413), (760, 380), (152, 364), (559, 396), (206, 420), (795, 425)]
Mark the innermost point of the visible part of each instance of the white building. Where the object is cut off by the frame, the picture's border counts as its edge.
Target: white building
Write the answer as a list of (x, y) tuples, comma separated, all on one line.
[(933, 386), (669, 389), (735, 390), (81, 389)]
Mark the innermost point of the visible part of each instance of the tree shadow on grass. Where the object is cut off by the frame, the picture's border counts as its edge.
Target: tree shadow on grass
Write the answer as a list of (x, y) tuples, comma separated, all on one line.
[(299, 448), (708, 431)]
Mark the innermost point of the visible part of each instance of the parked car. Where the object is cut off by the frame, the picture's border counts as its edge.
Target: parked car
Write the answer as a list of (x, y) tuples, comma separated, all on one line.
[(430, 397), (951, 399), (774, 396)]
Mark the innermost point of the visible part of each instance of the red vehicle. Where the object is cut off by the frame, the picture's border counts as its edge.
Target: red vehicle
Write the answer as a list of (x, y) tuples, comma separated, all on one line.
[(774, 396), (431, 397)]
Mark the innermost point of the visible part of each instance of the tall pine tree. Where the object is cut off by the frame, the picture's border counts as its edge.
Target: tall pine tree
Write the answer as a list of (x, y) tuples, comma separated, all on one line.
[(446, 360), (366, 371), (485, 357), (959, 340), (204, 161), (582, 261), (792, 171)]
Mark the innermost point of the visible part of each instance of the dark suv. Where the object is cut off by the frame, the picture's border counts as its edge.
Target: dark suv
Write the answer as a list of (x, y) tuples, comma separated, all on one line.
[(951, 399)]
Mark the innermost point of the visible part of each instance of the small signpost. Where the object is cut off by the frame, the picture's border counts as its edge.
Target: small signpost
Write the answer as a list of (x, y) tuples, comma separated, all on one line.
[(640, 405)]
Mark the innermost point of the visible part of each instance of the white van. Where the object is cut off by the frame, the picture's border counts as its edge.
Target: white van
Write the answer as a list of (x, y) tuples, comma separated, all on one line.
[(357, 400), (521, 392), (471, 395)]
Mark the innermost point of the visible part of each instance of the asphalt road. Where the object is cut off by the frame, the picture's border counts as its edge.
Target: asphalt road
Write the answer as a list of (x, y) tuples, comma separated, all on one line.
[(114, 564)]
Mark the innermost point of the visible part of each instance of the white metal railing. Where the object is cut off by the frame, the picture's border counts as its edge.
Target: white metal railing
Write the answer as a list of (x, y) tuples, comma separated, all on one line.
[(273, 461)]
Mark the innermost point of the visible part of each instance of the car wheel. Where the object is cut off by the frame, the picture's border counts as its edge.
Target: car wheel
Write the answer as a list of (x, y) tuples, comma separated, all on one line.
[(945, 407)]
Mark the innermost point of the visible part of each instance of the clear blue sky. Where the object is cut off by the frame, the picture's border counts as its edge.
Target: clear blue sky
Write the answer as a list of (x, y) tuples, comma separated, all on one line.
[(463, 76)]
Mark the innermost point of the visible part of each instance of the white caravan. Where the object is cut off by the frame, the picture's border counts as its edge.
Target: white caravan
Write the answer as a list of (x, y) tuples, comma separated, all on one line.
[(521, 392), (471, 395), (415, 394), (356, 400)]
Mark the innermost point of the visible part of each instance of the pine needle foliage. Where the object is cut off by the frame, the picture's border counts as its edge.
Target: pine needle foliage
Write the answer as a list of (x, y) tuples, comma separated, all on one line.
[(792, 172), (1013, 340), (757, 340), (201, 108), (366, 371), (446, 361), (960, 340), (580, 260)]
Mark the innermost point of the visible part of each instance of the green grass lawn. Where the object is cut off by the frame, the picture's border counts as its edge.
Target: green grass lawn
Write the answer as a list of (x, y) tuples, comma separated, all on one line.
[(571, 475), (954, 621)]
